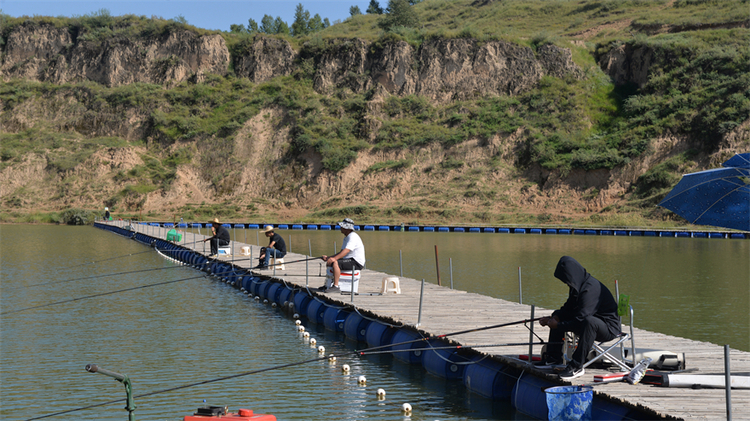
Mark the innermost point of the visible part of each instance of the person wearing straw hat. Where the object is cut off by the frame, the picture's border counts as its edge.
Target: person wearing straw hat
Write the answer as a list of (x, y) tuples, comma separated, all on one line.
[(351, 256), (276, 247), (220, 238)]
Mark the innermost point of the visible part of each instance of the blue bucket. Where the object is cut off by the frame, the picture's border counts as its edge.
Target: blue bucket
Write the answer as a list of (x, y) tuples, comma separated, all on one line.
[(569, 402)]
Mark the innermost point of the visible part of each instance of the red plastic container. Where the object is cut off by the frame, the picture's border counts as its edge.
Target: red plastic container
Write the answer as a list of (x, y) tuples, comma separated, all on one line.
[(241, 415)]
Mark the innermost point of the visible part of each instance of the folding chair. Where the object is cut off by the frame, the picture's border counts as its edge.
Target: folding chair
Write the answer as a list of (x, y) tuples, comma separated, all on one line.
[(599, 352)]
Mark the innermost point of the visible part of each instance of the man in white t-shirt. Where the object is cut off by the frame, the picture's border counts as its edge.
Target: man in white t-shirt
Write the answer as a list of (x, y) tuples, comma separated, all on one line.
[(351, 256)]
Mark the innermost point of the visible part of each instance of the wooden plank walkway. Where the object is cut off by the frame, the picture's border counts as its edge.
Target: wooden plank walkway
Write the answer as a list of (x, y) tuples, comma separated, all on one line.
[(446, 311)]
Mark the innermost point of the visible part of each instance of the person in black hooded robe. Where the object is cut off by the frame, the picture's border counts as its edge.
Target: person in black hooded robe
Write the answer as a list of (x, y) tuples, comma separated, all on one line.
[(590, 312)]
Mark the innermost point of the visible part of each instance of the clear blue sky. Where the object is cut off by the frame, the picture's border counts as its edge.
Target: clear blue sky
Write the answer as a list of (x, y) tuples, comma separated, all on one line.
[(208, 14)]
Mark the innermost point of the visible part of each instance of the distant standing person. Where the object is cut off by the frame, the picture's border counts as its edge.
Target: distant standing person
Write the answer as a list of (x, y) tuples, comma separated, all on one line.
[(106, 214), (351, 256), (276, 247), (220, 238), (590, 312)]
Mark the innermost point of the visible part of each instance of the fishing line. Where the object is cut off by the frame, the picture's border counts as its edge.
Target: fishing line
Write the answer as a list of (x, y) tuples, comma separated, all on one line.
[(128, 273), (188, 385), (99, 295), (262, 370), (110, 293), (103, 260), (96, 276)]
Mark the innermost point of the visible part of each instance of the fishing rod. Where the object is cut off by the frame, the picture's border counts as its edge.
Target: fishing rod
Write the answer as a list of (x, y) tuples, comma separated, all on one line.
[(288, 263), (112, 292), (461, 332), (457, 347), (262, 370)]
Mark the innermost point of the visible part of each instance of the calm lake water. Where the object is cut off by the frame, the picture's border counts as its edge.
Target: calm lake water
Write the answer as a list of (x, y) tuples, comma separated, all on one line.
[(178, 334), (196, 330)]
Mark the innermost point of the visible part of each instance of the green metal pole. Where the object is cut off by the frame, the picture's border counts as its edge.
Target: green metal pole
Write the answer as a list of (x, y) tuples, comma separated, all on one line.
[(122, 378)]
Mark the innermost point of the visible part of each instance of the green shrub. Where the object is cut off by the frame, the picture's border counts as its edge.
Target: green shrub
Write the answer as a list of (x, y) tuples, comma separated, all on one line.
[(450, 163), (389, 165)]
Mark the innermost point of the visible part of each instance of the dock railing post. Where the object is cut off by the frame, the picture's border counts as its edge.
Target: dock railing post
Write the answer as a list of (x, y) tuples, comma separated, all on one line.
[(307, 263), (437, 265), (450, 265), (421, 295), (520, 290), (290, 243), (531, 335), (401, 263), (728, 382)]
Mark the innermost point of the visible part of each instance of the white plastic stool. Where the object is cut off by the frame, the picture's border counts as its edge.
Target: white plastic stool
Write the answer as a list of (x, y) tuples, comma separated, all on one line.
[(245, 251), (391, 284), (280, 261), (225, 250)]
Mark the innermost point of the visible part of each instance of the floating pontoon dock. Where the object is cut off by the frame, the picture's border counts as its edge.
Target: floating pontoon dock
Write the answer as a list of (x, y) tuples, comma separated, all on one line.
[(445, 310)]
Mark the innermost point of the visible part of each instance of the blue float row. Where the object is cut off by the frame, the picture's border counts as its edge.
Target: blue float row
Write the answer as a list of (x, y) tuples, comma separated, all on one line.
[(501, 230)]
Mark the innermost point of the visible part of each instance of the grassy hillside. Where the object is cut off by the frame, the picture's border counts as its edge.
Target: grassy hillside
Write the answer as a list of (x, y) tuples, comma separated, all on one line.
[(698, 91)]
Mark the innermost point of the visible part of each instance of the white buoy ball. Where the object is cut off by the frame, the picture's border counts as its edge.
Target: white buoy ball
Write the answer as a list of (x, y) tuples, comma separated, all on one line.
[(331, 358), (345, 368), (265, 301), (301, 328), (381, 392), (273, 305), (296, 316), (362, 380), (306, 334), (406, 408), (321, 349), (257, 298), (297, 322), (313, 341)]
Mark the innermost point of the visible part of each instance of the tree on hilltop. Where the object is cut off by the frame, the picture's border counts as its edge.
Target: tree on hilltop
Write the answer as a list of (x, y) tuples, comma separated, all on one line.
[(252, 26), (268, 25), (374, 8), (301, 24), (398, 13), (237, 29), (281, 26), (354, 11)]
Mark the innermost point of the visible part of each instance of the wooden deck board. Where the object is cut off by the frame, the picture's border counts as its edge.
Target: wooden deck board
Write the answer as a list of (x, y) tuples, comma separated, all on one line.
[(446, 311)]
